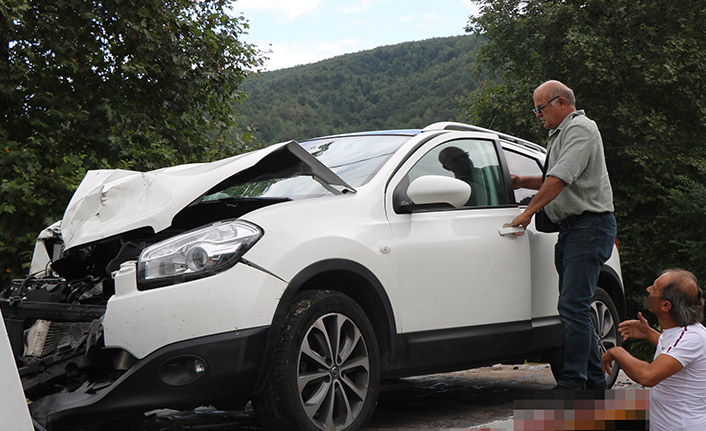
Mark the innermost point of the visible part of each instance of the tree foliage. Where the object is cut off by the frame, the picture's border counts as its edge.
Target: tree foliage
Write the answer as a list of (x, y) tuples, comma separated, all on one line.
[(408, 85), (639, 69), (90, 84)]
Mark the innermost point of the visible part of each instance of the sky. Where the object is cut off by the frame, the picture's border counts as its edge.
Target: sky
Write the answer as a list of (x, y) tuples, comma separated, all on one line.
[(294, 32)]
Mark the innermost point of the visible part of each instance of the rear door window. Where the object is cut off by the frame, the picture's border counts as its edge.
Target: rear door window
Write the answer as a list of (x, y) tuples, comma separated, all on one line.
[(523, 165)]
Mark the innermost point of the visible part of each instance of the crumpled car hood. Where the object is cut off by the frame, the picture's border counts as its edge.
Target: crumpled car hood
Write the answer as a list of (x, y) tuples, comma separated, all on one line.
[(109, 202)]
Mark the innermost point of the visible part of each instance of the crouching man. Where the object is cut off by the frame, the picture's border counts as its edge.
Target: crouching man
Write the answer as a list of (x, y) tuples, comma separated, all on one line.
[(677, 375)]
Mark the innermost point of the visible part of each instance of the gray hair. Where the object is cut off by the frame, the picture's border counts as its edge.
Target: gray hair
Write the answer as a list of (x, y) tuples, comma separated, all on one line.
[(686, 297), (558, 89)]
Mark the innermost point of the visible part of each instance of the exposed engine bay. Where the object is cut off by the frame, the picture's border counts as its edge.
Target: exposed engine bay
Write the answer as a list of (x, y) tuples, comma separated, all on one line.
[(54, 317)]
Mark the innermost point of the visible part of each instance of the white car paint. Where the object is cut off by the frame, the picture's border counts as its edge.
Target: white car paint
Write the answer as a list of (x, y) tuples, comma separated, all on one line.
[(425, 190), (143, 321), (40, 256), (462, 277), (545, 279), (469, 268), (13, 405), (468, 271), (110, 202), (467, 265)]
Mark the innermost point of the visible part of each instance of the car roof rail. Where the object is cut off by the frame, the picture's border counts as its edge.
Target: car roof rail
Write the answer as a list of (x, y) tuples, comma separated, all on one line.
[(450, 125)]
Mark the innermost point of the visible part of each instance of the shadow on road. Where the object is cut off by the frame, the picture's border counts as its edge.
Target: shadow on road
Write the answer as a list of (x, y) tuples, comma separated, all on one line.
[(459, 400)]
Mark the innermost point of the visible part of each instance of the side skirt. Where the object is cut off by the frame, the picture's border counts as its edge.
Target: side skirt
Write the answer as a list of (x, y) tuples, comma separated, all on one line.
[(456, 349)]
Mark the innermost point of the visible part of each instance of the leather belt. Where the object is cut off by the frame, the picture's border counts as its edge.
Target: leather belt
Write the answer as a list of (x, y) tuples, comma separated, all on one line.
[(572, 219)]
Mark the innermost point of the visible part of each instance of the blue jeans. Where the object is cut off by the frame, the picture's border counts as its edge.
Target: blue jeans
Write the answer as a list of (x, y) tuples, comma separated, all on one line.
[(580, 252)]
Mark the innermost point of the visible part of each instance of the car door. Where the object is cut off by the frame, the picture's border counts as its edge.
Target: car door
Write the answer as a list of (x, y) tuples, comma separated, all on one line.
[(458, 267), (545, 279)]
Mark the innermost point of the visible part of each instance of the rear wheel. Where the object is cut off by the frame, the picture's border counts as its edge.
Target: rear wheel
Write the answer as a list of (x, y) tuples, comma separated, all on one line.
[(605, 321), (326, 369)]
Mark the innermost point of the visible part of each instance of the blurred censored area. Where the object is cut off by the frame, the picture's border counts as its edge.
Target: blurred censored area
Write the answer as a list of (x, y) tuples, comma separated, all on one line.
[(626, 410)]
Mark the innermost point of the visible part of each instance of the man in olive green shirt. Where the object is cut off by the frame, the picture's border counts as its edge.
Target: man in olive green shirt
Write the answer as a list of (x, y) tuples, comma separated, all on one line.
[(576, 194)]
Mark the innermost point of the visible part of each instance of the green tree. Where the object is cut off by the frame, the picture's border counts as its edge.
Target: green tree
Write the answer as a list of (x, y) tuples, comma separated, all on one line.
[(639, 69), (91, 84)]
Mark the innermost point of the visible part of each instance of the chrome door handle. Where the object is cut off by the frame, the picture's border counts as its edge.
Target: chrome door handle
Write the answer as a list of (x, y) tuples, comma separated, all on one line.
[(515, 230)]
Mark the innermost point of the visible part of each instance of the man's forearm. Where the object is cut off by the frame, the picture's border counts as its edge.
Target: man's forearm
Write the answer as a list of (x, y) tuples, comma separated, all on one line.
[(530, 182), (551, 187), (647, 374), (635, 368)]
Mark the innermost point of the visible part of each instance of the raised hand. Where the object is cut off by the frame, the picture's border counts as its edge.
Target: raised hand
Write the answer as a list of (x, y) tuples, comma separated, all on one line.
[(635, 328)]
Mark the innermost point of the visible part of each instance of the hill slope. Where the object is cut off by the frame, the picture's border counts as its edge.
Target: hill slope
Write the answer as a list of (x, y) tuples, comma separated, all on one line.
[(408, 85)]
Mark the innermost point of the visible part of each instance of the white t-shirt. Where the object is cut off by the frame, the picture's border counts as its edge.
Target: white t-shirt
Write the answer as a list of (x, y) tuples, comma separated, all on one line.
[(678, 403)]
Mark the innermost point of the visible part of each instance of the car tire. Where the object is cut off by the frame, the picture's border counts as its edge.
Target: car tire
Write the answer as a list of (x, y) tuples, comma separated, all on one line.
[(326, 367), (605, 320)]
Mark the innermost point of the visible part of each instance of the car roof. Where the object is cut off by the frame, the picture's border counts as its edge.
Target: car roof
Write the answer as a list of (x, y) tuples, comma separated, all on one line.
[(401, 132), (439, 126)]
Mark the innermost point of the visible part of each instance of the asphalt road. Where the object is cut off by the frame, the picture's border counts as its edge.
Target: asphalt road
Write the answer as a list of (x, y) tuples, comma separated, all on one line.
[(481, 398)]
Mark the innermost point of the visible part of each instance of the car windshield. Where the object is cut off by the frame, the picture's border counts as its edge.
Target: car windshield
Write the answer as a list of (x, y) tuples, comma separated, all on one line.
[(355, 159)]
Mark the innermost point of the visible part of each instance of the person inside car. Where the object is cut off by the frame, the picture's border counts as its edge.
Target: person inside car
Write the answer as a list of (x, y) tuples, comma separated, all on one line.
[(457, 161)]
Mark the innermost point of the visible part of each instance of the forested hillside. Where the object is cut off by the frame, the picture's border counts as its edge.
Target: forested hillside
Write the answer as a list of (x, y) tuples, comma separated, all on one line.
[(408, 85)]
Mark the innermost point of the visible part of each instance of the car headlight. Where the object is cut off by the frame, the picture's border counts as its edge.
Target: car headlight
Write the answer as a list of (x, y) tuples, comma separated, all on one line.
[(197, 253)]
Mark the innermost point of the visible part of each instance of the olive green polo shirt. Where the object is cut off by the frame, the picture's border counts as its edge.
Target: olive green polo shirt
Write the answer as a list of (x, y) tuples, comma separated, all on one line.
[(575, 156)]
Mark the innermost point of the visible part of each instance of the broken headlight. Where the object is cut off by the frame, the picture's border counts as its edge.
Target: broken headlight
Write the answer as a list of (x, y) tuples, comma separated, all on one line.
[(197, 253)]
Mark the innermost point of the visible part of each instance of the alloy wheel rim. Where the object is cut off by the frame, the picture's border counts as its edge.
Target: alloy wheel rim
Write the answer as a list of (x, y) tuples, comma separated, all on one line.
[(605, 326), (333, 372)]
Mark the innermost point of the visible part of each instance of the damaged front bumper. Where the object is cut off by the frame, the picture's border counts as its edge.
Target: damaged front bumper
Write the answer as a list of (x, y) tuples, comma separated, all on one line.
[(57, 342), (220, 369), (144, 350), (92, 346)]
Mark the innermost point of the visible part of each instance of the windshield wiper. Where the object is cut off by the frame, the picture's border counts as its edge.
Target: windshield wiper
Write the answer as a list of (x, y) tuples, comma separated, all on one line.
[(237, 199)]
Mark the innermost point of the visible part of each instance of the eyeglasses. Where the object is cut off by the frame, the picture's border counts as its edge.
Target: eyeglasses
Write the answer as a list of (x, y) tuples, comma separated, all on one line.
[(538, 109)]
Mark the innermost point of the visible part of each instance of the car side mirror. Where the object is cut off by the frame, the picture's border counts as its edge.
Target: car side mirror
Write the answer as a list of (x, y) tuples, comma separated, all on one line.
[(437, 192)]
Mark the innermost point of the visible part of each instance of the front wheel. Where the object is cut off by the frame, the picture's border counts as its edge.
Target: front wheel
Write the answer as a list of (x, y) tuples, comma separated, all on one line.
[(326, 368)]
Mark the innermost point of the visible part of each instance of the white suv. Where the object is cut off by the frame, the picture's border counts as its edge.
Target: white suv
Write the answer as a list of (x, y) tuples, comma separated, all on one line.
[(296, 276)]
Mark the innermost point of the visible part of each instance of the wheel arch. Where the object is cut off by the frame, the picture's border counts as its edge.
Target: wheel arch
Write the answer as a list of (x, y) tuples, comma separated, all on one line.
[(610, 281), (351, 279)]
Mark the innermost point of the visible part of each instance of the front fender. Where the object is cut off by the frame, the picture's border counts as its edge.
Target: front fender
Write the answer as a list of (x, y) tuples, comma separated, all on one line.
[(354, 280)]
